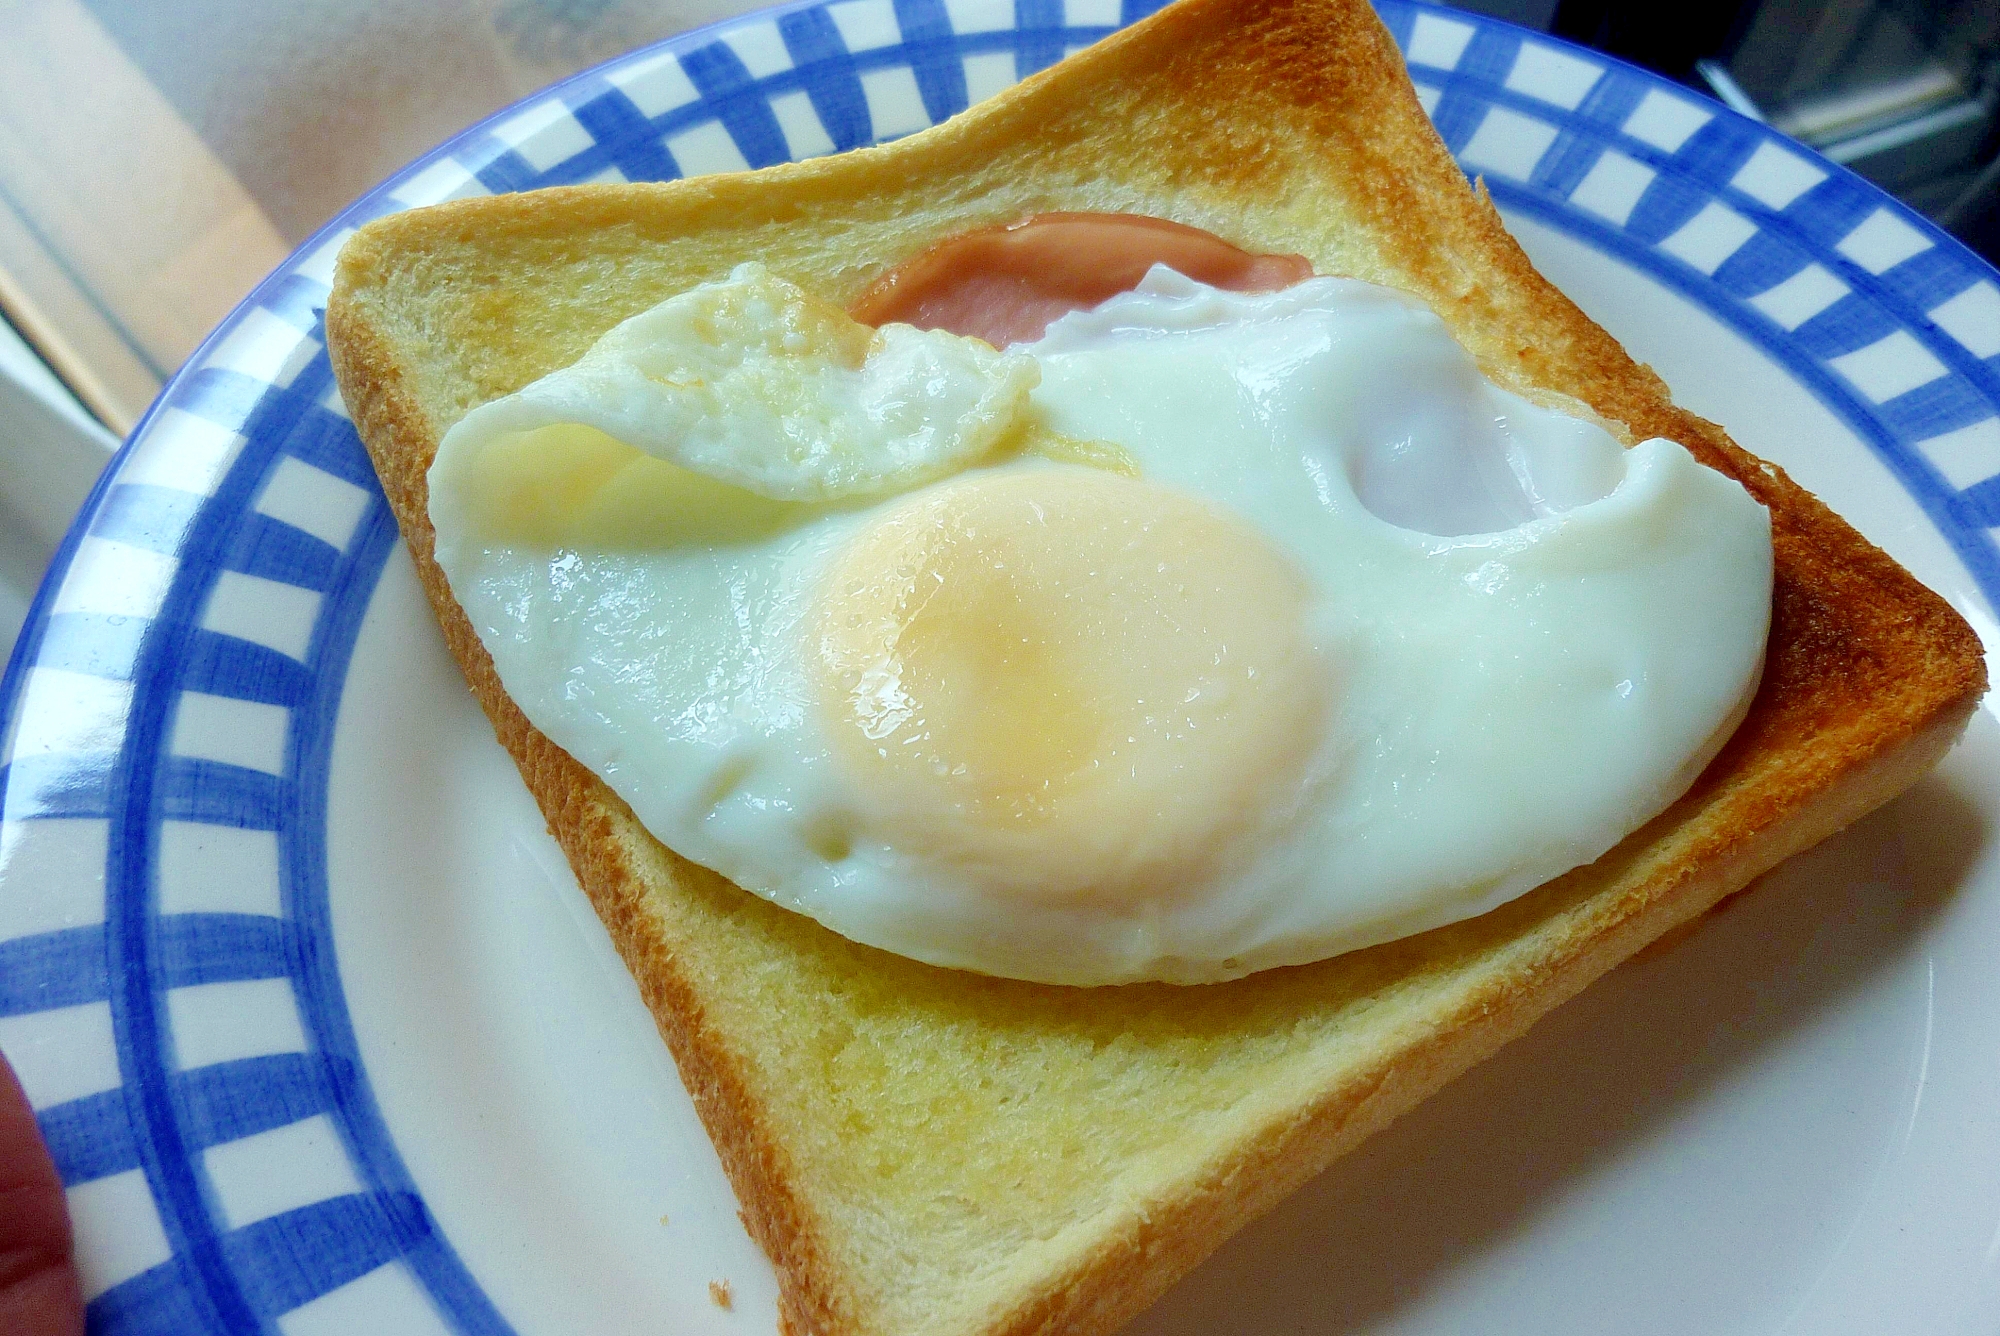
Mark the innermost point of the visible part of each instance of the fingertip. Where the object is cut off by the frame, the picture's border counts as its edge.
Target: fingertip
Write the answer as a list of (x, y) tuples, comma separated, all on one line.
[(40, 1294)]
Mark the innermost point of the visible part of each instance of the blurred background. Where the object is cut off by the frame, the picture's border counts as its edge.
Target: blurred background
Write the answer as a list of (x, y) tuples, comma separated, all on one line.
[(156, 160)]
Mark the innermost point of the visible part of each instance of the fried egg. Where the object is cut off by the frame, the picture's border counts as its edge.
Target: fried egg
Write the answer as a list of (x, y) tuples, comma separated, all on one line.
[(1212, 632)]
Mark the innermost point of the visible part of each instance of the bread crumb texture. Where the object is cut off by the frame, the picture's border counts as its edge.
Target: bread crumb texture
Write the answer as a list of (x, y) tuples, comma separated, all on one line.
[(927, 1151)]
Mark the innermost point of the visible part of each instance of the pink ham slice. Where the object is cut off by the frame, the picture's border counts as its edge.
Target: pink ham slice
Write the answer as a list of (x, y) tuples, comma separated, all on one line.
[(1005, 284)]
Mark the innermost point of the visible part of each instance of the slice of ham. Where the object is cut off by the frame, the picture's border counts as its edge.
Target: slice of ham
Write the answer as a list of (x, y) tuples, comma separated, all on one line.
[(1006, 284)]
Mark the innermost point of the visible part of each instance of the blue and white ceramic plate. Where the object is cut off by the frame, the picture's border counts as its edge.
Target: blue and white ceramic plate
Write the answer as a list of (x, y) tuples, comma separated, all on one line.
[(324, 1040)]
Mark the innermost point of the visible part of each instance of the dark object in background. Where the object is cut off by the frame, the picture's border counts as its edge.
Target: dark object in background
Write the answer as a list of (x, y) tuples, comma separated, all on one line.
[(1975, 217), (1666, 38), (1905, 92)]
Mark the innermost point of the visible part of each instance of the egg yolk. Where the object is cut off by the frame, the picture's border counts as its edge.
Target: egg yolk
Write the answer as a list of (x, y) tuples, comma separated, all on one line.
[(1081, 682)]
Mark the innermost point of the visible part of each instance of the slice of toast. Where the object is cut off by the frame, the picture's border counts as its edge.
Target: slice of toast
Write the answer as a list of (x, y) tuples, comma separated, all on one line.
[(921, 1150)]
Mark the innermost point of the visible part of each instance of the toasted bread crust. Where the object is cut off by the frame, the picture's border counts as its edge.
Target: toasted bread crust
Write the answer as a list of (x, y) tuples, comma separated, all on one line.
[(1282, 126)]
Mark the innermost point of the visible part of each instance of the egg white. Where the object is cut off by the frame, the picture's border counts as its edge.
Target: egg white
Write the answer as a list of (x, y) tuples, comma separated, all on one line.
[(1537, 656)]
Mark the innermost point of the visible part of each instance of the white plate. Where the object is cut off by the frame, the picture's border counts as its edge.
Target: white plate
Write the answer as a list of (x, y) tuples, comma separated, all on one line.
[(324, 1039)]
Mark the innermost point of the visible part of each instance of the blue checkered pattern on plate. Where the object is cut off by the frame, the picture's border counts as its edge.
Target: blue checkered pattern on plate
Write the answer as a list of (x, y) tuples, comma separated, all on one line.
[(168, 990)]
